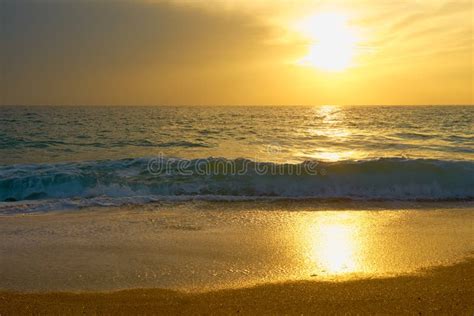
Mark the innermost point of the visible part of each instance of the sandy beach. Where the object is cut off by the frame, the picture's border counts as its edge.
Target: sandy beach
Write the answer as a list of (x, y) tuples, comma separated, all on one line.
[(445, 290), (293, 257)]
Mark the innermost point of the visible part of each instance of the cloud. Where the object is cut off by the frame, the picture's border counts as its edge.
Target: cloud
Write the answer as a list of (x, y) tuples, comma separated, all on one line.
[(423, 28), (224, 51), (86, 47)]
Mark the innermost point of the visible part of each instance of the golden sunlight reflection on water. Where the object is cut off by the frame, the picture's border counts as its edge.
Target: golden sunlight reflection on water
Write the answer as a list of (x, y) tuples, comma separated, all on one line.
[(342, 245), (331, 127), (333, 245), (333, 156), (328, 112), (334, 248)]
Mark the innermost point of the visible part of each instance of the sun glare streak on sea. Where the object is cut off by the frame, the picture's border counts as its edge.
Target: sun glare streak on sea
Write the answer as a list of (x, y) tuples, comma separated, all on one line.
[(272, 134)]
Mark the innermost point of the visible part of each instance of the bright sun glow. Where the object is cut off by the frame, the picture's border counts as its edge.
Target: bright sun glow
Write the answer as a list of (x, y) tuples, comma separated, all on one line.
[(333, 41), (334, 247)]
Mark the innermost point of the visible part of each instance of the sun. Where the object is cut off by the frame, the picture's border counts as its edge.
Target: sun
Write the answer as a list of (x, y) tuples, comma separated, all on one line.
[(332, 41)]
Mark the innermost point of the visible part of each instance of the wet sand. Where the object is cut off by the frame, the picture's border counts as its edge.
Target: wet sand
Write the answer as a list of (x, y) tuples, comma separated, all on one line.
[(443, 290), (249, 257)]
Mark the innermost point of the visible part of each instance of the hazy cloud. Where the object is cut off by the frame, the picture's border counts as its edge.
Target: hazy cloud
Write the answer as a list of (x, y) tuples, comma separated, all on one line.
[(227, 51)]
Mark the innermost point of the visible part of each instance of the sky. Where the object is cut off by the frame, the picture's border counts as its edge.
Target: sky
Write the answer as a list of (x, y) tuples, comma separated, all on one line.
[(240, 52)]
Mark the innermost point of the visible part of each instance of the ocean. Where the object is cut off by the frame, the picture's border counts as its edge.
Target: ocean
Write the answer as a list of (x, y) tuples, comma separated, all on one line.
[(61, 158)]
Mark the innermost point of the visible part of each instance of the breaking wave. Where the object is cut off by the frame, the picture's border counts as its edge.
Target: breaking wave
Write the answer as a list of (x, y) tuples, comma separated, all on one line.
[(137, 181)]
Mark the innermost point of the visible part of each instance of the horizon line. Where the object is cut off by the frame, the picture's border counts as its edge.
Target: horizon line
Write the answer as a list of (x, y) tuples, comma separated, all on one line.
[(222, 105)]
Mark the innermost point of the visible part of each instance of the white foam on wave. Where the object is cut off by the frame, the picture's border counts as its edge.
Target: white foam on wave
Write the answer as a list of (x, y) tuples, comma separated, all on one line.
[(130, 181)]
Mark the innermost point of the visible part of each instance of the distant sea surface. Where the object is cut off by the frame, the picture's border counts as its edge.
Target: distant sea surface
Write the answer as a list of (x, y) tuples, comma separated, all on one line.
[(68, 157)]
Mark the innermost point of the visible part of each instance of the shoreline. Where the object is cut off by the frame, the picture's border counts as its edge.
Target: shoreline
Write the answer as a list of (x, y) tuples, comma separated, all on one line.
[(444, 289), (239, 258), (213, 246)]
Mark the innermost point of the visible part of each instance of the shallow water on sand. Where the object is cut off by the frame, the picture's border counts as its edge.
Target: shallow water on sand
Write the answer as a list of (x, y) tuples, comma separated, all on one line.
[(202, 245)]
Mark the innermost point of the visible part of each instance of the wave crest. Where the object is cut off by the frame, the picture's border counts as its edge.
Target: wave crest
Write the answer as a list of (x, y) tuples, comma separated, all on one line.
[(381, 179)]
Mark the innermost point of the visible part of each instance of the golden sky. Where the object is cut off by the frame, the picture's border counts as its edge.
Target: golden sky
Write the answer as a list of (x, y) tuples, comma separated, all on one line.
[(223, 52)]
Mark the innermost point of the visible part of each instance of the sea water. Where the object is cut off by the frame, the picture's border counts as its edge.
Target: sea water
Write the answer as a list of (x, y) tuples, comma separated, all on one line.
[(74, 156)]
